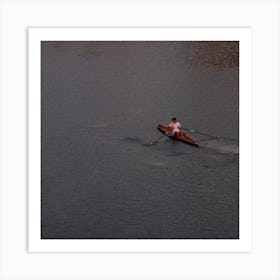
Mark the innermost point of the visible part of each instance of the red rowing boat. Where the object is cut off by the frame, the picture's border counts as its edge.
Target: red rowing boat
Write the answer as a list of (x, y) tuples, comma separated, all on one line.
[(184, 138)]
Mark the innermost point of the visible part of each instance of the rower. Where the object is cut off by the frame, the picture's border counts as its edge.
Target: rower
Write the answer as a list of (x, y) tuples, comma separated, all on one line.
[(175, 126)]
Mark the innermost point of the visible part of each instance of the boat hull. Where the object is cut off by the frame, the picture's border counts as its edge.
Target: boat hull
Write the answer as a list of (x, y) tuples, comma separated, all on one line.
[(186, 139)]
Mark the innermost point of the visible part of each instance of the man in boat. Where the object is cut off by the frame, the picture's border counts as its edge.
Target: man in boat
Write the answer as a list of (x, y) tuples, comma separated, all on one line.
[(175, 126)]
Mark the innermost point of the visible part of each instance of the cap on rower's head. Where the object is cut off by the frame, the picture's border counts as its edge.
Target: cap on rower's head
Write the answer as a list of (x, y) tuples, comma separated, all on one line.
[(174, 119)]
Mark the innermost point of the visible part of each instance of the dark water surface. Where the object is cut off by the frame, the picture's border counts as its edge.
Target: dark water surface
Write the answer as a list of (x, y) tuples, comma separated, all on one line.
[(101, 103)]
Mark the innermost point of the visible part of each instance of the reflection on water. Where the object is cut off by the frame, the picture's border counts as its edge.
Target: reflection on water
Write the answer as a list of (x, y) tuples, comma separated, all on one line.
[(220, 55), (101, 104)]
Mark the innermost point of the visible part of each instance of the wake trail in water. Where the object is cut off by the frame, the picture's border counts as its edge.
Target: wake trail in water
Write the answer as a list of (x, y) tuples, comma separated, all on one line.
[(222, 146), (219, 144)]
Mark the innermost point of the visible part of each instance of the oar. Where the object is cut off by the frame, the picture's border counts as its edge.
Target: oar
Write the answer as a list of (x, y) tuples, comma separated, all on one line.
[(154, 142), (214, 137)]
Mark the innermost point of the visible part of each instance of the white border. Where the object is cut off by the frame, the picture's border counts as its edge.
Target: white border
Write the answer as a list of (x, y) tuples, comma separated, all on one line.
[(36, 35)]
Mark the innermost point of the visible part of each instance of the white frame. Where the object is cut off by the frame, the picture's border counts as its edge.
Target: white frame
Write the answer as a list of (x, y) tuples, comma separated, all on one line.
[(243, 35), (262, 262)]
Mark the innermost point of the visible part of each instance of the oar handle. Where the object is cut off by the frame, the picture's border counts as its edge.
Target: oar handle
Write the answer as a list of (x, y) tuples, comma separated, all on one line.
[(187, 129)]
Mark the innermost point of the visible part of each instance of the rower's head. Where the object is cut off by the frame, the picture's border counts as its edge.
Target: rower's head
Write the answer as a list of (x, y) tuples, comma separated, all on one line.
[(174, 120)]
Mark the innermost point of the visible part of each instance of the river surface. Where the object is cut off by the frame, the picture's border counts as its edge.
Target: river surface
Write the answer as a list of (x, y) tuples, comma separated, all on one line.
[(101, 104)]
